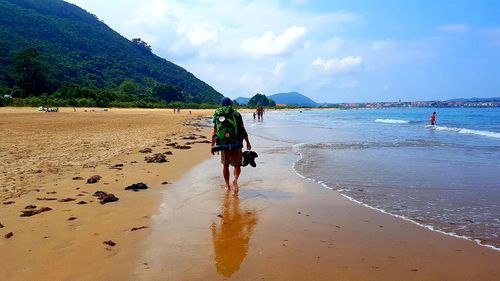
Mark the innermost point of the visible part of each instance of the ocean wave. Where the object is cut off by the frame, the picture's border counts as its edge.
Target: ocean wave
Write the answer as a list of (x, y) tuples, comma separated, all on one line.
[(392, 121), (366, 145), (342, 192), (467, 131)]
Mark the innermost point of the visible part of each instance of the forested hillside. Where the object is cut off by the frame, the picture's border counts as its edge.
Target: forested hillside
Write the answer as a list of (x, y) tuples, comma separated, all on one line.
[(54, 49)]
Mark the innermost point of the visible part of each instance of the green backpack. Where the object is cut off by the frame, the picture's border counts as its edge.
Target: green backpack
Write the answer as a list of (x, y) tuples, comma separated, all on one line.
[(226, 125)]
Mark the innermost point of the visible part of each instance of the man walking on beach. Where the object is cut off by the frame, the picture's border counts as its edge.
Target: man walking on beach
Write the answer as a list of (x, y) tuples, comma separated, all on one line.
[(229, 129)]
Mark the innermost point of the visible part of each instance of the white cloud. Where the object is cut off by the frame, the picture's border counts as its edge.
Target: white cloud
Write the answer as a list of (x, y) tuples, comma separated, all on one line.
[(271, 44), (339, 66), (278, 68), (199, 36), (454, 28)]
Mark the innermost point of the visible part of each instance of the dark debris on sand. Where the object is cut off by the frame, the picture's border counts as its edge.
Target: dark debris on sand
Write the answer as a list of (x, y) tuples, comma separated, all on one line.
[(1, 225), (117, 166), (30, 207), (165, 182), (138, 228), (81, 203), (9, 235), (71, 218), (8, 202), (32, 212), (194, 142), (137, 186), (109, 243), (94, 179), (146, 150), (182, 147), (46, 199), (77, 178), (105, 197), (66, 200), (156, 158)]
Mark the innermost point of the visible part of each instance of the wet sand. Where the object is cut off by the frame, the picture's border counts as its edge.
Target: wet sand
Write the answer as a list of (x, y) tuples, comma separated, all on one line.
[(46, 161), (283, 227)]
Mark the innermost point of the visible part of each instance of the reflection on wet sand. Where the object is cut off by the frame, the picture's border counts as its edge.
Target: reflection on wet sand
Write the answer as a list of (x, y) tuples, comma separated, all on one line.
[(231, 235)]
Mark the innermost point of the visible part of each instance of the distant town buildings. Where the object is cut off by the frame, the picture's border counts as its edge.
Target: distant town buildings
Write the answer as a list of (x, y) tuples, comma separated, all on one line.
[(418, 104)]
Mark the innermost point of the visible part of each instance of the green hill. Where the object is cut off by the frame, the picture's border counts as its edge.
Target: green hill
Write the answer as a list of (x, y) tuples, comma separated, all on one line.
[(293, 98), (49, 46)]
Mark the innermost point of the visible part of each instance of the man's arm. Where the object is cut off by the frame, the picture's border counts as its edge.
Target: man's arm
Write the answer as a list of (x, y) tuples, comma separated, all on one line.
[(244, 133)]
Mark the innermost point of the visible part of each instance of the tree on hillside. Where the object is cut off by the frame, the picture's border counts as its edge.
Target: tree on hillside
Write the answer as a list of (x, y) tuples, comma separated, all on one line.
[(258, 100), (141, 44), (129, 88), (28, 74), (168, 93)]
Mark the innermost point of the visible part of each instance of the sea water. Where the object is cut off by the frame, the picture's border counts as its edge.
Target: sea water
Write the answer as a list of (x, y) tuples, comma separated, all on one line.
[(445, 177)]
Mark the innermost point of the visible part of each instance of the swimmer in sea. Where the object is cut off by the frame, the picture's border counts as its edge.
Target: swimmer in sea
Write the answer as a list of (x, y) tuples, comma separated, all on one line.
[(433, 119)]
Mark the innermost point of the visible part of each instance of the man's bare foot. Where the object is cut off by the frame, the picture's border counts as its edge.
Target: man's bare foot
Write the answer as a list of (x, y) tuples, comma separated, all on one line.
[(236, 187), (227, 188)]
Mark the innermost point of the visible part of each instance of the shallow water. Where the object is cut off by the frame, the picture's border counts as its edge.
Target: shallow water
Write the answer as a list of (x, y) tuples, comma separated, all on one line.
[(445, 176)]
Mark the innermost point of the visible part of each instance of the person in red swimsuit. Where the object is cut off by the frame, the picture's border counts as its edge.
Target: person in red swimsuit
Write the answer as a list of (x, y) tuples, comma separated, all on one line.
[(433, 119)]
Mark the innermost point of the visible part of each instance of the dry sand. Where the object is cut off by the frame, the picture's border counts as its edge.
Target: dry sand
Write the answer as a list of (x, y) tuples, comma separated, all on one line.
[(41, 154)]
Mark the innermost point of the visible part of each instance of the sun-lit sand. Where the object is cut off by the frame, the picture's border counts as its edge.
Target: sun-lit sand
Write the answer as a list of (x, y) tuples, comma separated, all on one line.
[(41, 155), (185, 226)]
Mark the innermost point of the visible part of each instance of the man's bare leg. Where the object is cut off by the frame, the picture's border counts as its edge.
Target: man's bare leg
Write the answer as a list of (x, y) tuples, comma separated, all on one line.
[(225, 172), (237, 171)]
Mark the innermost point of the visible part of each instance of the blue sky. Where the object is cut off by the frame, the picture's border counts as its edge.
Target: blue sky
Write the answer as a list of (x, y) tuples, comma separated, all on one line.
[(331, 51)]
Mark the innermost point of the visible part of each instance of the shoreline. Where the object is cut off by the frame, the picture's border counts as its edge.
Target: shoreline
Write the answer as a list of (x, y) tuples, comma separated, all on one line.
[(66, 242), (429, 227), (284, 227)]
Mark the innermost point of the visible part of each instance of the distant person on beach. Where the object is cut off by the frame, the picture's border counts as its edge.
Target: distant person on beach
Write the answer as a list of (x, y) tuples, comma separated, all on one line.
[(433, 119), (260, 113), (229, 128)]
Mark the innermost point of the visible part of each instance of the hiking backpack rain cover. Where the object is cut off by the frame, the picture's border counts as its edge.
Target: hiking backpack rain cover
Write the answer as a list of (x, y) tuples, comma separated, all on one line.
[(226, 125)]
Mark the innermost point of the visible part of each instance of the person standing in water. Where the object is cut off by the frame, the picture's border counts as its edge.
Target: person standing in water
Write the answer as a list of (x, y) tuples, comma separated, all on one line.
[(229, 128), (433, 119)]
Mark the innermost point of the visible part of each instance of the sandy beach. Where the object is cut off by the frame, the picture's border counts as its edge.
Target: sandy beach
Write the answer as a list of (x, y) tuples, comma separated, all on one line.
[(46, 161), (186, 226)]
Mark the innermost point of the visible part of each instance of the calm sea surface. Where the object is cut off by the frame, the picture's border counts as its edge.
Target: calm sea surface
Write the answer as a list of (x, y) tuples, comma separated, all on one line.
[(446, 177)]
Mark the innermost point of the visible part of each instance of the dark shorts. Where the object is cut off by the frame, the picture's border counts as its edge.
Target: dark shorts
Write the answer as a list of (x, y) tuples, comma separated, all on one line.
[(233, 157)]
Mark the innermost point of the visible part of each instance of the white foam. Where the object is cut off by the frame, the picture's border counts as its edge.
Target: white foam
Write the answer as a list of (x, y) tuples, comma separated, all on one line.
[(468, 131), (429, 227), (392, 121)]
